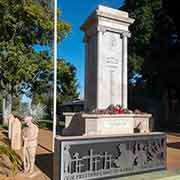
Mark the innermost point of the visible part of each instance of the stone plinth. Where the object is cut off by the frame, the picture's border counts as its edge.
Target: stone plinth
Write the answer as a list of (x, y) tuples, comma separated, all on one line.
[(100, 124), (105, 124), (106, 32), (105, 157), (16, 134), (74, 124), (143, 122)]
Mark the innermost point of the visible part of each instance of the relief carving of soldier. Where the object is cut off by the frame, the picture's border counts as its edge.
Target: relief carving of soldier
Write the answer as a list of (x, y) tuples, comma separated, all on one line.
[(141, 155), (126, 158), (67, 159)]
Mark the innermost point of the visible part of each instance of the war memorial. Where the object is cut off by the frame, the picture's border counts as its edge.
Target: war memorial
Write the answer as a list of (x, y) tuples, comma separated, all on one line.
[(99, 144)]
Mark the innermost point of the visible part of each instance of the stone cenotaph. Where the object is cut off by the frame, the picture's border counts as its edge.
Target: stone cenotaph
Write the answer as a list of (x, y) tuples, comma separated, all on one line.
[(106, 33), (106, 76), (101, 146)]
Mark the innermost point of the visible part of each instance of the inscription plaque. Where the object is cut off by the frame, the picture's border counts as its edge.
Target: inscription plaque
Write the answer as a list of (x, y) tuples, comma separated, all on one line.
[(111, 124), (84, 158)]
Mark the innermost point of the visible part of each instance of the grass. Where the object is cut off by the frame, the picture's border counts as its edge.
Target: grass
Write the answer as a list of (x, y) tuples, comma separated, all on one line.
[(13, 157), (3, 126)]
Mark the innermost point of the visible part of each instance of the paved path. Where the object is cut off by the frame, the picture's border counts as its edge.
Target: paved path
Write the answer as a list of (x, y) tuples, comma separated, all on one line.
[(44, 157), (43, 170), (159, 175), (173, 151)]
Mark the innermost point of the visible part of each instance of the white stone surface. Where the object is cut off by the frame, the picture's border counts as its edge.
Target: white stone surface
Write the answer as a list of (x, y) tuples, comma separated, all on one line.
[(16, 134), (109, 126), (106, 124), (10, 121), (125, 73), (143, 122), (115, 124), (106, 32)]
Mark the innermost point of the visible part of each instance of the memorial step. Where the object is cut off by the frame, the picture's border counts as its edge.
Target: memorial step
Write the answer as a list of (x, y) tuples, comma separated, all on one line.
[(159, 175)]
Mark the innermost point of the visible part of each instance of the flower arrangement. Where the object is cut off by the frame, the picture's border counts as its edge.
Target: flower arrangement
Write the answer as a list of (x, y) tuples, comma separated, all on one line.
[(116, 109), (113, 109)]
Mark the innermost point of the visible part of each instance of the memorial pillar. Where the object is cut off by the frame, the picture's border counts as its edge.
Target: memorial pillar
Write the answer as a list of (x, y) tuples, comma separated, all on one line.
[(106, 58), (100, 32), (85, 40), (124, 71)]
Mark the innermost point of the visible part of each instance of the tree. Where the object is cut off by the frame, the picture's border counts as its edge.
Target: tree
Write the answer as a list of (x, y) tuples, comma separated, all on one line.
[(25, 23), (42, 89), (154, 50), (151, 45), (67, 83), (143, 31)]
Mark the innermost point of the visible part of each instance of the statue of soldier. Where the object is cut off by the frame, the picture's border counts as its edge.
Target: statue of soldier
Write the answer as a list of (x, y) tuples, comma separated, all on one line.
[(30, 138)]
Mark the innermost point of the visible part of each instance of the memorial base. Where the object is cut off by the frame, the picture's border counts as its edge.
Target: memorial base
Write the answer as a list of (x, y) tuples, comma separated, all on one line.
[(105, 124), (101, 157)]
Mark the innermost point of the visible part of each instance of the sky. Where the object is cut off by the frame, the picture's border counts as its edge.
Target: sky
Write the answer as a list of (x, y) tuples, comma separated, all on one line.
[(71, 48)]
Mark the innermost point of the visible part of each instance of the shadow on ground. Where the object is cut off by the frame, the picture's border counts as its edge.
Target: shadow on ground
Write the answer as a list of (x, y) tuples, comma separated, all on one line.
[(5, 133), (45, 163), (4, 138), (46, 149), (174, 134), (175, 145)]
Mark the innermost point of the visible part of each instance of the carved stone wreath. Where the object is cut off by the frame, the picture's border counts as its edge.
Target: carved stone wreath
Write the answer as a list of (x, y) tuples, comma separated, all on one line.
[(110, 41)]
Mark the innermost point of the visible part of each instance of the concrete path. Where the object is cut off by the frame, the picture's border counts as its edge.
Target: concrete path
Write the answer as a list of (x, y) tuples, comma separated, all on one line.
[(173, 151), (177, 177), (159, 175)]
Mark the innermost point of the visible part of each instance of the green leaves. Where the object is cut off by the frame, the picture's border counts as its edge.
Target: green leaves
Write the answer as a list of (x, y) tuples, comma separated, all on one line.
[(23, 24), (13, 157), (143, 31), (66, 81), (154, 45), (63, 30), (17, 66), (23, 70)]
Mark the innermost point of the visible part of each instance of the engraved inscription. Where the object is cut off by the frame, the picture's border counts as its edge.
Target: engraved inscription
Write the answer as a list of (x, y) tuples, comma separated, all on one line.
[(111, 60), (111, 124), (111, 41), (112, 49)]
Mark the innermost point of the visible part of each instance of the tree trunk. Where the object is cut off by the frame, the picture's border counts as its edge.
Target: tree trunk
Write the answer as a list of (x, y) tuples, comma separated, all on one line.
[(3, 108), (7, 108)]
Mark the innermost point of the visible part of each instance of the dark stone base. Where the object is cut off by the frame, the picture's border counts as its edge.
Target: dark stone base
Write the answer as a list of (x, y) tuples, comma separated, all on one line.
[(100, 157)]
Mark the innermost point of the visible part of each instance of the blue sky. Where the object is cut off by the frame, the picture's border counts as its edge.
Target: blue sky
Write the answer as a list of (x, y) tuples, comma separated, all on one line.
[(75, 12)]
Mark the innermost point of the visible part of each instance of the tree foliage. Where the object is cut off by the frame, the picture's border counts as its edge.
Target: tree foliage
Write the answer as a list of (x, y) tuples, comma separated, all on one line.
[(12, 156), (153, 46), (143, 11), (66, 82), (25, 23)]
